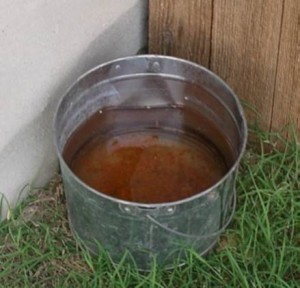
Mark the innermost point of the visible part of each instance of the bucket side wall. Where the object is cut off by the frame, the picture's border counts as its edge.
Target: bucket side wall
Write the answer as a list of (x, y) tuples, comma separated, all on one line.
[(146, 233)]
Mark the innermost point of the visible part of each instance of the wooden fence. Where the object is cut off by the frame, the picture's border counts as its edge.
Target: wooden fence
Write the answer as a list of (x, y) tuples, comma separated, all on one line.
[(254, 45)]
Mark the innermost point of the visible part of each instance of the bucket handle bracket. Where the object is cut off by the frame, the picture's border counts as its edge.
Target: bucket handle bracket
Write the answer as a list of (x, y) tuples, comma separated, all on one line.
[(214, 234)]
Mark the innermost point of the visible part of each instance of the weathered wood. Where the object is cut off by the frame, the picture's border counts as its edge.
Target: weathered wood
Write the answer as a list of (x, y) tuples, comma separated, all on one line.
[(287, 88), (245, 42), (254, 45), (181, 28)]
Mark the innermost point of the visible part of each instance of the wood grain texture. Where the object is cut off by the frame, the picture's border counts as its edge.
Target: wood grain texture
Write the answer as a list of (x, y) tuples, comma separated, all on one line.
[(245, 41), (181, 28), (254, 45), (286, 107)]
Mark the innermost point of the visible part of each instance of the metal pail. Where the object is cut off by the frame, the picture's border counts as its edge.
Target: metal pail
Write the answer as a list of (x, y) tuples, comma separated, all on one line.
[(147, 231)]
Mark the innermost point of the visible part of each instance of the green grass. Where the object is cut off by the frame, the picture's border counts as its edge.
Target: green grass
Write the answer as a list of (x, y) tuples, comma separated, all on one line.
[(261, 248)]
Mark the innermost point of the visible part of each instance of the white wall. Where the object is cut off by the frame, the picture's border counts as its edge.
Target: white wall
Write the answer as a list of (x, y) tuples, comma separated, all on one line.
[(44, 46)]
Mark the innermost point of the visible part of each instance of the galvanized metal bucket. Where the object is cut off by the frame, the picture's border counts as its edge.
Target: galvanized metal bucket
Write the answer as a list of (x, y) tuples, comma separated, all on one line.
[(162, 231)]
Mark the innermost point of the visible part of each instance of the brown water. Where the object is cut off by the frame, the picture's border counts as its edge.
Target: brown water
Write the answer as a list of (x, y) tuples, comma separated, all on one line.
[(113, 154)]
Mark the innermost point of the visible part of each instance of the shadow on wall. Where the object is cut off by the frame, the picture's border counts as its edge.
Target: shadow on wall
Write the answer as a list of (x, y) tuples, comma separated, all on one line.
[(30, 158)]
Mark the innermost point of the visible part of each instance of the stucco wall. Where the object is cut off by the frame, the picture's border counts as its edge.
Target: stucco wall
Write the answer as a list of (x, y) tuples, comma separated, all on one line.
[(45, 46)]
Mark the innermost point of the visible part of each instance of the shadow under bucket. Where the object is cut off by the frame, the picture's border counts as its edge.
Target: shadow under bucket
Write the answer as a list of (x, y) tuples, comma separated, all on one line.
[(149, 148)]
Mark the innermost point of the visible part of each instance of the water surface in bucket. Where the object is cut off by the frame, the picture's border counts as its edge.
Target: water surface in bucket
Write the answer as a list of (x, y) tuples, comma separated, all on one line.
[(154, 165)]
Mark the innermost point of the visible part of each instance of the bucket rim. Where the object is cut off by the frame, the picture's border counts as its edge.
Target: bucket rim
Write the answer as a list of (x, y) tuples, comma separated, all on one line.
[(233, 168)]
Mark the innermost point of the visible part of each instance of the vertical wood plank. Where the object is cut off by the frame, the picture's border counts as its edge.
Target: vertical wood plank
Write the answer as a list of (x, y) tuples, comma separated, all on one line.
[(245, 40), (181, 28), (287, 88)]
